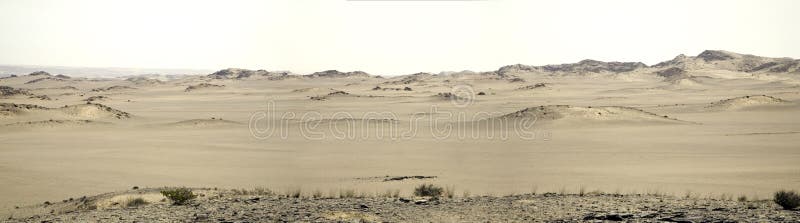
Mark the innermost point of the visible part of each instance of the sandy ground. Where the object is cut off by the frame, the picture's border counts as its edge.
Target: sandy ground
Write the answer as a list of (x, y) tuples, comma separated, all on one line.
[(156, 133)]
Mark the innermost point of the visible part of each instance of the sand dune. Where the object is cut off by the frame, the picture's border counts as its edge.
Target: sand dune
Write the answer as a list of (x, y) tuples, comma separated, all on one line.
[(44, 80), (82, 111), (607, 114), (745, 102), (93, 111), (54, 123), (336, 94)]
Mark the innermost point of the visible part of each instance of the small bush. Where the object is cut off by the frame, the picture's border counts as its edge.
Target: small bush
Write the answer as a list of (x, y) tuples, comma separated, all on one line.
[(390, 193), (347, 193), (317, 194), (787, 199), (263, 191), (179, 196), (260, 191), (428, 190), (135, 202), (742, 198), (294, 192)]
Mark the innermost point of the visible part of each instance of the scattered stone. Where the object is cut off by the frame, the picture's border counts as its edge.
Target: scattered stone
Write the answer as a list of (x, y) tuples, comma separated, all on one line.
[(400, 178), (512, 208), (96, 98), (516, 80), (7, 91), (41, 97), (534, 86), (112, 88)]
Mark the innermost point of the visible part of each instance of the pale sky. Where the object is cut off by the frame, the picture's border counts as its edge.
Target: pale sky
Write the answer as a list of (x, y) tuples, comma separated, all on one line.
[(385, 37)]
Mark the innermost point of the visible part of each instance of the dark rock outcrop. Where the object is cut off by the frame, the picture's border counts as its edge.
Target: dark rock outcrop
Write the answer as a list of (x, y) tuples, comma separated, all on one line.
[(236, 73), (7, 91), (672, 73), (337, 74), (113, 88), (40, 73), (714, 55), (594, 66), (202, 86), (584, 66)]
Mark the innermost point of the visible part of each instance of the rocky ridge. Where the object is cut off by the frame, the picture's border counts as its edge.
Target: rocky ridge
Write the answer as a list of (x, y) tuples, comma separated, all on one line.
[(234, 206)]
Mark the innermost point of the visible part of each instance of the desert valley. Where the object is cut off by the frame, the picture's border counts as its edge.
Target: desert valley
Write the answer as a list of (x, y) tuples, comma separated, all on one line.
[(716, 126)]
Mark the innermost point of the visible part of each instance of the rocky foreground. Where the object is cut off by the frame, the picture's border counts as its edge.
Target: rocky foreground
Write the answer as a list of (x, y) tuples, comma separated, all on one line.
[(226, 206)]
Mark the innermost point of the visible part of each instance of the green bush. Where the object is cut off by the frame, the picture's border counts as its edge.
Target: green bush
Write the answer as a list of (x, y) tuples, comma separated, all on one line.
[(428, 190), (179, 196), (787, 199)]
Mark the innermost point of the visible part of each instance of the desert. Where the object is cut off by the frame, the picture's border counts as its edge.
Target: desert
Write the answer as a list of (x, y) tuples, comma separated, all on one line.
[(699, 138)]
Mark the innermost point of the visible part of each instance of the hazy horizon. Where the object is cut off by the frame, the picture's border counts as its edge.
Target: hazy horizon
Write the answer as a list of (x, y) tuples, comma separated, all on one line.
[(384, 37)]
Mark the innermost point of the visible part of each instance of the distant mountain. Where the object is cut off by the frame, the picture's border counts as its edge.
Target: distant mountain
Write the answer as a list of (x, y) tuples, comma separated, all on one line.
[(338, 74), (724, 60), (584, 66), (19, 70), (236, 73), (677, 68)]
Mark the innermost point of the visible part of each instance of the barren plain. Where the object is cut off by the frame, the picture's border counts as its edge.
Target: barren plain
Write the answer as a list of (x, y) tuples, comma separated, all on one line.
[(719, 124)]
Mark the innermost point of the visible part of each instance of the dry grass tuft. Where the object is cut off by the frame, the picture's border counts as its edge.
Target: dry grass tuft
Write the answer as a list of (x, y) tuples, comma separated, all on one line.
[(294, 192), (428, 190), (449, 191), (135, 202)]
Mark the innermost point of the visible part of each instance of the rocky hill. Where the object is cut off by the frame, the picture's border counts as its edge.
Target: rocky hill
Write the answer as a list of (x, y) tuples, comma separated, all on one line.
[(236, 73), (338, 74), (584, 66), (679, 67), (730, 61)]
